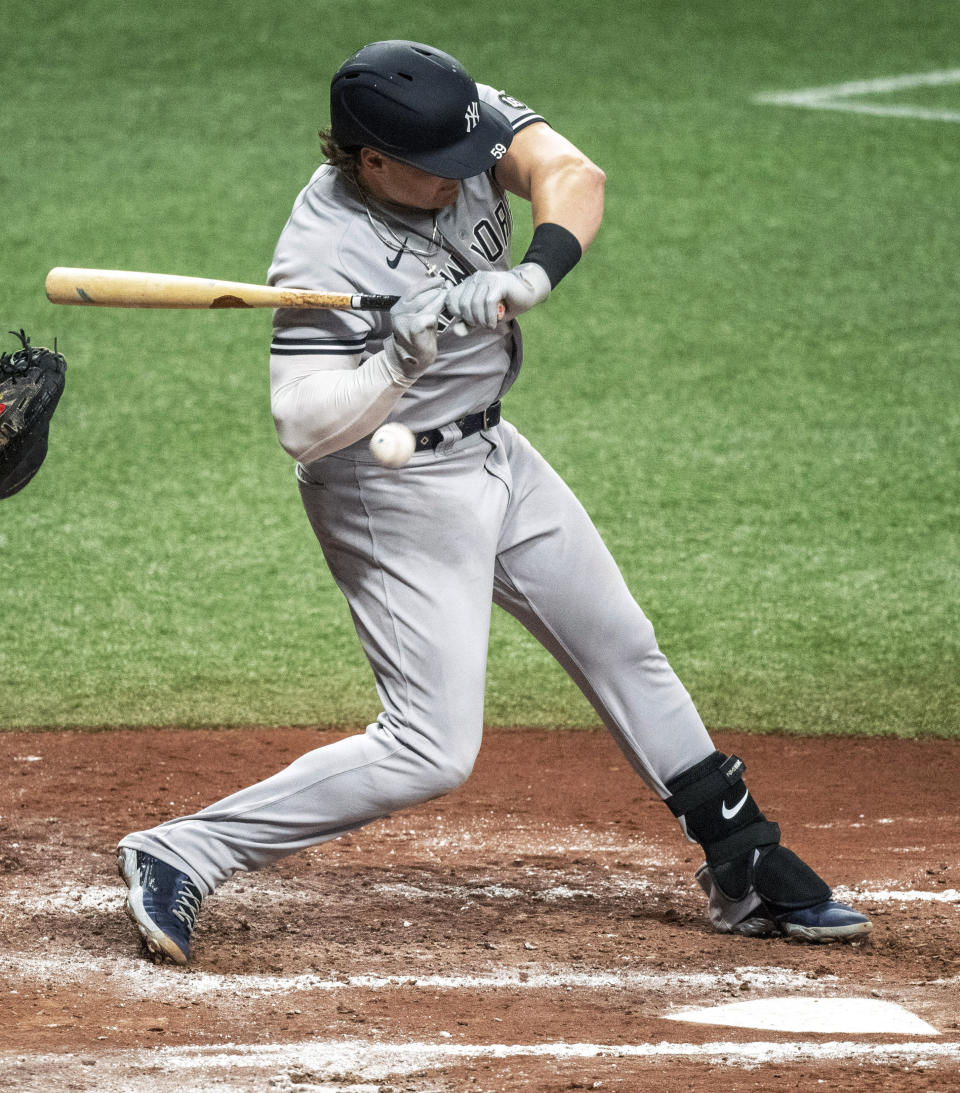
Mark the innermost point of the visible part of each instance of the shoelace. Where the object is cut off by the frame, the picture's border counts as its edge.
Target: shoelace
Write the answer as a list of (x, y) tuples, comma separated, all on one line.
[(187, 905)]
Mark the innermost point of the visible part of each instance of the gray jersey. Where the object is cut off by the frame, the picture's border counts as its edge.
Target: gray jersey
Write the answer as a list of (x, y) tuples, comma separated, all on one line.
[(336, 240)]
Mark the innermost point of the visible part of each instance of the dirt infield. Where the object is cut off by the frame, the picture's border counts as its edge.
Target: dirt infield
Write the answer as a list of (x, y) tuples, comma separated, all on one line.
[(534, 931)]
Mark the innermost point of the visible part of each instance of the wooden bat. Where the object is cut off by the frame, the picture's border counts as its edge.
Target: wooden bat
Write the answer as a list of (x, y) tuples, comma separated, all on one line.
[(124, 288)]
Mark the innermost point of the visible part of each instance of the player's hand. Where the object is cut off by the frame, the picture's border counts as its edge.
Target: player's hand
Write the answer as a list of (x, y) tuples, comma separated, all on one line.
[(477, 299), (413, 347)]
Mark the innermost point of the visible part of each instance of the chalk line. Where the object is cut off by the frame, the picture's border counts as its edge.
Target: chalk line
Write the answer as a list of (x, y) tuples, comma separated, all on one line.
[(843, 96), (373, 1060), (136, 978)]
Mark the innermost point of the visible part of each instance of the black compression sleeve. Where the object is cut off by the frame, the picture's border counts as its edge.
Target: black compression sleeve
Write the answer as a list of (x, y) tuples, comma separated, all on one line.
[(555, 249)]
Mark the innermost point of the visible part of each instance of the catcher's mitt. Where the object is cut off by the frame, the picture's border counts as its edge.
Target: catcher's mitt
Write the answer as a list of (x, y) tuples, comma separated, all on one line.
[(31, 383)]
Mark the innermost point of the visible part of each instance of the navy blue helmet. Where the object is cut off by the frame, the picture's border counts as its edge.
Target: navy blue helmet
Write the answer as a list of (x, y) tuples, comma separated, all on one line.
[(416, 104)]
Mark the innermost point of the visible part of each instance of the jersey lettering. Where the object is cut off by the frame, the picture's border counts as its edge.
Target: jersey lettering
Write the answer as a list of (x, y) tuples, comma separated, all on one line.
[(454, 272), (502, 214), (489, 244)]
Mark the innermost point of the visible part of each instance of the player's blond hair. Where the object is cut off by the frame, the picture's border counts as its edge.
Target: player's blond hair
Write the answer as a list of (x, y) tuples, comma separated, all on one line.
[(344, 159)]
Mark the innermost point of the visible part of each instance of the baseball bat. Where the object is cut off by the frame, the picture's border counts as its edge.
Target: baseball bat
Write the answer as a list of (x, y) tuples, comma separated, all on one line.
[(126, 288)]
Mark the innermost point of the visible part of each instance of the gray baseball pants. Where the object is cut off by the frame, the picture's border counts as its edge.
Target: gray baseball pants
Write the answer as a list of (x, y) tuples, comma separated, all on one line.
[(420, 554)]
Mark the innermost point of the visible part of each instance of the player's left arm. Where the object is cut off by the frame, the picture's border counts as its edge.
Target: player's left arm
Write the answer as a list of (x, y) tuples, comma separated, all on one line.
[(565, 190), (562, 184)]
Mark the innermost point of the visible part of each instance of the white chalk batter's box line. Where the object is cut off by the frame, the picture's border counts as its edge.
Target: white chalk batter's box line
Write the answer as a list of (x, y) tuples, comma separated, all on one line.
[(368, 1060), (418, 1055), (135, 979), (847, 97)]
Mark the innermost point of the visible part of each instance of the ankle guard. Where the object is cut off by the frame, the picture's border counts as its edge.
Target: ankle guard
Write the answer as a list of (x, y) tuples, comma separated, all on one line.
[(716, 809), (743, 850)]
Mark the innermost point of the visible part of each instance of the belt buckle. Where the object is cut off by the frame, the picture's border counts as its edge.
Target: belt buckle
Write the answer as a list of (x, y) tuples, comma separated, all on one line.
[(486, 422)]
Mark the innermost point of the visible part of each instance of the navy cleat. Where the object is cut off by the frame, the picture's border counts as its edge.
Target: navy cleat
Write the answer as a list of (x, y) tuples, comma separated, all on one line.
[(162, 902), (827, 921), (752, 915)]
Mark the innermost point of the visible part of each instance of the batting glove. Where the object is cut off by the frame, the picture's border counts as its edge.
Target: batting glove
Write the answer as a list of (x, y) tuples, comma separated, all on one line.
[(476, 300), (413, 347)]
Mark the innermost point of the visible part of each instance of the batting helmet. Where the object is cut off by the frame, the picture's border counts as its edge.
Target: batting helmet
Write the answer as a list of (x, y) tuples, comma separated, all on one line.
[(418, 105)]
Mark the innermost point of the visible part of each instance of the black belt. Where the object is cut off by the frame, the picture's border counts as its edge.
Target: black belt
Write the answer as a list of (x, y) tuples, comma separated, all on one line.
[(469, 424)]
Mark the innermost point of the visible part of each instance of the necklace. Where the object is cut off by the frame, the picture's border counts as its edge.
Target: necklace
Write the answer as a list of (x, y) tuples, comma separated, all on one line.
[(394, 242)]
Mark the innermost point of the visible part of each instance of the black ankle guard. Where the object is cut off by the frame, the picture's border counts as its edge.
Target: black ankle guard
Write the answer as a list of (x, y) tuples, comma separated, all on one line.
[(741, 845), (781, 880), (762, 833), (785, 882), (717, 809), (703, 783)]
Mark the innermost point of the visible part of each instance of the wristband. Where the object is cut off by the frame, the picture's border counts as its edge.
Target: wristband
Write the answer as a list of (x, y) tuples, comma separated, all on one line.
[(555, 249)]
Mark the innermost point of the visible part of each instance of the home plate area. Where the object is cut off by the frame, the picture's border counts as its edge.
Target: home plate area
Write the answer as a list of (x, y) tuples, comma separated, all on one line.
[(537, 930)]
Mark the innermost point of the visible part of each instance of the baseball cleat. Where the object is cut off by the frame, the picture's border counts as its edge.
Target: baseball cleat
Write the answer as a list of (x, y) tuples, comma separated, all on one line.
[(828, 921), (162, 902), (750, 915)]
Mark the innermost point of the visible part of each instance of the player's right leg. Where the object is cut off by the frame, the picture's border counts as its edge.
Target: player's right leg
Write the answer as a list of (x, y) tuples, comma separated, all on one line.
[(414, 554)]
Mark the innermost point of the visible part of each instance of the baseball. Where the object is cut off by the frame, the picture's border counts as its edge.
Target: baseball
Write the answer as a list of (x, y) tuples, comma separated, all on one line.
[(393, 444)]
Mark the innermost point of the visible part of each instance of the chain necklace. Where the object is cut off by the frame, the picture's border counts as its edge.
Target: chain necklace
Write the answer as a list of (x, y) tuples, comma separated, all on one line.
[(394, 242)]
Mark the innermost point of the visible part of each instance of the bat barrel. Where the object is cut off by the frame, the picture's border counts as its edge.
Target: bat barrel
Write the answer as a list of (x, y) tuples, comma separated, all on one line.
[(126, 288)]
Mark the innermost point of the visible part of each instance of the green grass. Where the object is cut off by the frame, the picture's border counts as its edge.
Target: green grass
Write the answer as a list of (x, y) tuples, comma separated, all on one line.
[(751, 381)]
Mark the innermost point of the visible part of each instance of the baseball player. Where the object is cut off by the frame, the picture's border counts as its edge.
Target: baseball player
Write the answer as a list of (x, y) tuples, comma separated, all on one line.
[(413, 201)]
